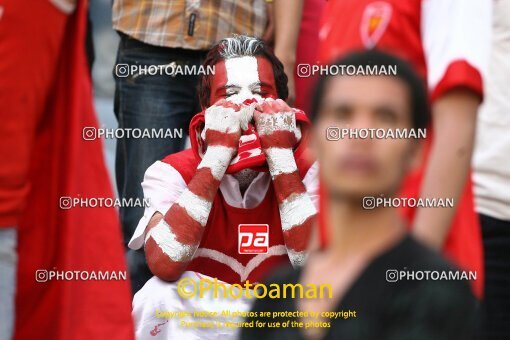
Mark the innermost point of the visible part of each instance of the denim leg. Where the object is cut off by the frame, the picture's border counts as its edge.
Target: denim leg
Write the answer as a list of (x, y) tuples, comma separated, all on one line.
[(8, 264), (149, 101), (496, 240)]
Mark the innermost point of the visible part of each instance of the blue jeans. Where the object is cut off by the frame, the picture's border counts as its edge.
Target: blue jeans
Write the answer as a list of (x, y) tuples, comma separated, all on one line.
[(496, 241), (151, 102), (8, 272)]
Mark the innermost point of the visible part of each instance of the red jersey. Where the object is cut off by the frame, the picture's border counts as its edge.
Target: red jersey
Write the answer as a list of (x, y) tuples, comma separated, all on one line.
[(438, 37), (218, 254)]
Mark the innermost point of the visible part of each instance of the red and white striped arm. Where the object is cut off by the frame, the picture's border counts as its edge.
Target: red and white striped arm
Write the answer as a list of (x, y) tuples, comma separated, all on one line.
[(276, 124), (171, 243)]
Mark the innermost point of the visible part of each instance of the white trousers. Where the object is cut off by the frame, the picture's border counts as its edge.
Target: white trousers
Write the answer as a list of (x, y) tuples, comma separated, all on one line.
[(154, 308)]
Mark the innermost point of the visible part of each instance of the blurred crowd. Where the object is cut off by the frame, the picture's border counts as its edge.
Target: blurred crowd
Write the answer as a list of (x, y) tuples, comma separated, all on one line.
[(453, 60)]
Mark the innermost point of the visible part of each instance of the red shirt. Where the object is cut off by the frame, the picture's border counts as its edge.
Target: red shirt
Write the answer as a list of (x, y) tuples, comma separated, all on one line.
[(438, 37), (218, 254)]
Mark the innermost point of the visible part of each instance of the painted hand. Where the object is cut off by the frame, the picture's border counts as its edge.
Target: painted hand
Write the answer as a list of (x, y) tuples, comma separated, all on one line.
[(276, 124)]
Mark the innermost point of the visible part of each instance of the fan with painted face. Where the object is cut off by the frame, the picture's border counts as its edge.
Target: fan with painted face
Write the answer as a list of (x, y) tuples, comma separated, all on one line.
[(198, 230), (246, 73)]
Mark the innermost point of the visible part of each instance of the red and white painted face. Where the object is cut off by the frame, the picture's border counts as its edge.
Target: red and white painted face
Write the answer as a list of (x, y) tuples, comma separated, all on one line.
[(243, 78)]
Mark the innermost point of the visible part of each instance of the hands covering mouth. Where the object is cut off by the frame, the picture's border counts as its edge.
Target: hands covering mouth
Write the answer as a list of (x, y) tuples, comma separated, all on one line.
[(273, 119)]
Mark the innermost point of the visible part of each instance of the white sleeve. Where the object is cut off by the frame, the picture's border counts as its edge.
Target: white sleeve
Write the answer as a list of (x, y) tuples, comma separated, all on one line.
[(311, 182), (456, 32), (66, 6), (162, 185)]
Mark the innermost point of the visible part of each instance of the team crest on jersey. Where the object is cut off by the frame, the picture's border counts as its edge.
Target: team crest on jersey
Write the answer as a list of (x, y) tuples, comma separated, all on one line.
[(253, 238), (374, 22)]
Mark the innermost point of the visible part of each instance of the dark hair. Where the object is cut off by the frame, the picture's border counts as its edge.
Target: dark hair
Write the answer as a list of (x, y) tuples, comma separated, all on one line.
[(240, 46), (419, 97)]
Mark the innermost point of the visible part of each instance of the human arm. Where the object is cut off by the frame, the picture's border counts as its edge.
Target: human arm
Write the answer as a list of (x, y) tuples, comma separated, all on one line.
[(454, 122), (287, 25), (276, 125), (171, 240), (457, 55)]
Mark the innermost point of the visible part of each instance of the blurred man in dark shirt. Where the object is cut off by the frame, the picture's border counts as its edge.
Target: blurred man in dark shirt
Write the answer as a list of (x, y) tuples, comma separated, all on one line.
[(374, 267)]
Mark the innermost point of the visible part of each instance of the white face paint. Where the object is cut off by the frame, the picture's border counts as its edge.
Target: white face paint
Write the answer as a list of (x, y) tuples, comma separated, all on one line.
[(243, 79)]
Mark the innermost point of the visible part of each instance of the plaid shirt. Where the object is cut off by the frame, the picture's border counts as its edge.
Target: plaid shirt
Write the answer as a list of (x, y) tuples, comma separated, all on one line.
[(190, 24)]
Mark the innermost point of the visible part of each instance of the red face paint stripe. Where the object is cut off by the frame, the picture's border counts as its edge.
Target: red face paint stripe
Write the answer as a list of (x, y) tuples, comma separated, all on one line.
[(218, 82), (266, 77)]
